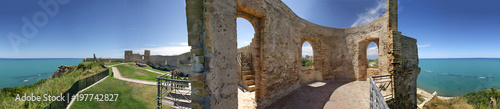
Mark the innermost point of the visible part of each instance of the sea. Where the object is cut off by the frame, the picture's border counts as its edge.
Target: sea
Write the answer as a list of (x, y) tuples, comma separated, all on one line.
[(455, 77), (20, 72)]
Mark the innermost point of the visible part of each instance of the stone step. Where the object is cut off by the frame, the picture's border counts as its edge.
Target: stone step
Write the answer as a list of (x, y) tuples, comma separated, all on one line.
[(177, 104), (249, 77), (250, 82), (252, 88), (244, 60), (247, 72), (245, 64), (245, 68)]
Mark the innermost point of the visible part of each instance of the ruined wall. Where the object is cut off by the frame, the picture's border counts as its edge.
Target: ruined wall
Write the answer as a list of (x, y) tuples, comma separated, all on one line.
[(128, 55), (339, 53), (307, 75), (136, 57), (160, 60), (406, 71), (102, 60), (184, 63)]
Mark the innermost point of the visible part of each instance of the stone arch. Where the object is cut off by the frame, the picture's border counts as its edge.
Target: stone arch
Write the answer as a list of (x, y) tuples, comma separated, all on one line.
[(313, 73), (256, 19), (362, 60)]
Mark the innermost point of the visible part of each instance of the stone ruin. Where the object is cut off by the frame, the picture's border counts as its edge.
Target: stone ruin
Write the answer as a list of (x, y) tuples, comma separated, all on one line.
[(339, 53)]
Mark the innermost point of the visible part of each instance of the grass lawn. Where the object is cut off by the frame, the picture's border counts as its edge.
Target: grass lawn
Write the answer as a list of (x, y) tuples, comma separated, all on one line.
[(111, 63), (131, 96), (151, 68), (128, 71)]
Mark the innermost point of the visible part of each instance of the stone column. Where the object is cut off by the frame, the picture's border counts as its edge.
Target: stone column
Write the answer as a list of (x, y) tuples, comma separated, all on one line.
[(212, 36)]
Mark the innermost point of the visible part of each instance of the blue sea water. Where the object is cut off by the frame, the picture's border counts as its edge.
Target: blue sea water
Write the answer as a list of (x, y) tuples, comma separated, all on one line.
[(455, 77), (20, 72)]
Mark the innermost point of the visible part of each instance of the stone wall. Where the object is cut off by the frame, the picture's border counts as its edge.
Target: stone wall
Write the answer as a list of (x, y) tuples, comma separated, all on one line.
[(102, 60), (163, 60), (339, 53), (184, 63), (307, 75)]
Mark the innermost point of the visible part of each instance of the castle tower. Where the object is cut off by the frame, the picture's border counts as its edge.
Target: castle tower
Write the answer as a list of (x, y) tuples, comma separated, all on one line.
[(128, 55), (146, 56)]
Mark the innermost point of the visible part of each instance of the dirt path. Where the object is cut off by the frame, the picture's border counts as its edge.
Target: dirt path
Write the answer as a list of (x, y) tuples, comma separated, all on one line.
[(117, 75)]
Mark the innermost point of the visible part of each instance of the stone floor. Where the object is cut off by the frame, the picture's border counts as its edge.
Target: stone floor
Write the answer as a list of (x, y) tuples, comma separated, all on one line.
[(332, 94), (246, 100)]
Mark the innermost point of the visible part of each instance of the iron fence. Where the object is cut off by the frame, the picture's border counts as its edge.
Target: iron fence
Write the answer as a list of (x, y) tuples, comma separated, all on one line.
[(75, 88), (173, 90), (379, 85)]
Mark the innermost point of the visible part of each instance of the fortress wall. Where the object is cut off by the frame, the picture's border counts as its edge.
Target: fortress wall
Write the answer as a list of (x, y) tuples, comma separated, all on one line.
[(339, 53), (160, 60)]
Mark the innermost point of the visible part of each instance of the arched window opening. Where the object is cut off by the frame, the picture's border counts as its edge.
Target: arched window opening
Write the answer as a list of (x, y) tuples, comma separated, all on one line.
[(372, 55), (307, 55), (245, 32)]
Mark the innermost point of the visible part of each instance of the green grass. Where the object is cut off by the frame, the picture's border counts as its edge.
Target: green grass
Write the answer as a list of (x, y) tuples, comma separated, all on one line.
[(374, 61), (306, 63), (52, 86), (128, 71), (454, 103), (111, 63), (481, 99), (151, 68), (131, 96)]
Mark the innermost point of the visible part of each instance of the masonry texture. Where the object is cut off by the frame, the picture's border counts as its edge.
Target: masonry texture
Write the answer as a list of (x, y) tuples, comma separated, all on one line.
[(339, 53)]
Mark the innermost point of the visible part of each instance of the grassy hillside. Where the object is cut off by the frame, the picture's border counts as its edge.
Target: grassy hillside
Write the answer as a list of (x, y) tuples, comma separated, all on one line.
[(52, 86), (130, 96), (481, 99), (477, 100)]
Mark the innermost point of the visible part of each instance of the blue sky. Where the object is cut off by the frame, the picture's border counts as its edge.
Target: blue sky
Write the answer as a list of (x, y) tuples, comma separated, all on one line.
[(443, 28)]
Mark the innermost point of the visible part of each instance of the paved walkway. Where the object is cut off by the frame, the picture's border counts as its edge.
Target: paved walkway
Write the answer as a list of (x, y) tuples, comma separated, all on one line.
[(331, 94), (117, 75)]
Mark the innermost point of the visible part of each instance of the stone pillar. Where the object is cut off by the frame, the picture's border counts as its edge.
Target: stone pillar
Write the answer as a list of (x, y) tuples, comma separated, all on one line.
[(95, 59), (199, 90), (146, 56), (405, 70), (392, 9), (128, 55), (212, 36)]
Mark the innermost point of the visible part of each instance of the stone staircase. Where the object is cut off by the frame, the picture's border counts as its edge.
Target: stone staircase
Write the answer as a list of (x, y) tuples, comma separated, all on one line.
[(247, 73), (179, 98)]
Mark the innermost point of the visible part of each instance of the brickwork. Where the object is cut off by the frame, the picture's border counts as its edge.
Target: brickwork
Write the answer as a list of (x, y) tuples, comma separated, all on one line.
[(339, 53)]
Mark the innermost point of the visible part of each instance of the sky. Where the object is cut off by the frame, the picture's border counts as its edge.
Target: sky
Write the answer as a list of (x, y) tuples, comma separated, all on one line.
[(80, 28)]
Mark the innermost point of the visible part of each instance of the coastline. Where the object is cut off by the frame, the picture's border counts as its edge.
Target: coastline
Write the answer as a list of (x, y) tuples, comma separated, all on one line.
[(427, 94)]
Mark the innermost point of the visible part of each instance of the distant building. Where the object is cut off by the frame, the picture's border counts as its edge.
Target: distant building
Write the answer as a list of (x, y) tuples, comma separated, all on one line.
[(307, 57)]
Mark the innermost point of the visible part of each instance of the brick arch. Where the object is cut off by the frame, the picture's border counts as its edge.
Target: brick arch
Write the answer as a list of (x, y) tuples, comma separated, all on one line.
[(362, 60), (313, 73)]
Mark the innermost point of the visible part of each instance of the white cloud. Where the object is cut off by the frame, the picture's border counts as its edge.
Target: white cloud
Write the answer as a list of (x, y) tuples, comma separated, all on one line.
[(371, 14), (307, 50), (182, 43), (421, 46), (372, 51), (173, 50)]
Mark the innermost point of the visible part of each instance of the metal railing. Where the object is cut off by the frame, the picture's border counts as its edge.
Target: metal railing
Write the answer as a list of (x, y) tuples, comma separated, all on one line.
[(77, 86), (173, 90), (380, 91)]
